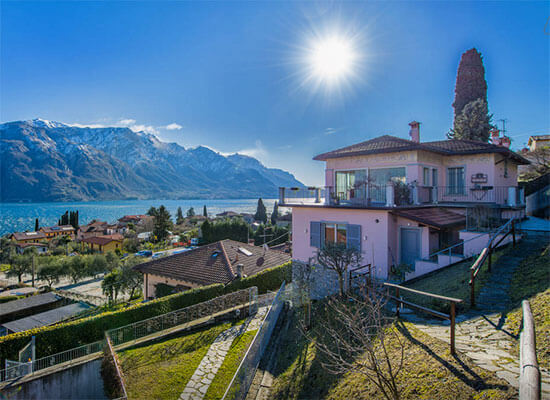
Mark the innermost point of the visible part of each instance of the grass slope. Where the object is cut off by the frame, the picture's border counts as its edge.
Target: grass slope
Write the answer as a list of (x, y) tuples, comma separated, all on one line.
[(430, 372), (160, 370), (531, 281)]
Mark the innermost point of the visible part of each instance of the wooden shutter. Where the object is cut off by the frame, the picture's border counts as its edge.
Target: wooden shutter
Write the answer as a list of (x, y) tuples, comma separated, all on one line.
[(353, 236), (315, 234)]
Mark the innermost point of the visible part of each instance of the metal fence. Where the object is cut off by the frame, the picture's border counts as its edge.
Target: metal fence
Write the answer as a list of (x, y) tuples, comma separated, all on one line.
[(242, 298), (240, 384), (17, 369), (206, 310)]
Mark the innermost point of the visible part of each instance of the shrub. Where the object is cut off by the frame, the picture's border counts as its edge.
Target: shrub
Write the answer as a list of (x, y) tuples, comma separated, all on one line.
[(65, 336)]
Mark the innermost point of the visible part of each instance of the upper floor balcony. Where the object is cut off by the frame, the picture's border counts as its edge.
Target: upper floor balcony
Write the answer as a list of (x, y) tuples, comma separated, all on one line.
[(402, 195)]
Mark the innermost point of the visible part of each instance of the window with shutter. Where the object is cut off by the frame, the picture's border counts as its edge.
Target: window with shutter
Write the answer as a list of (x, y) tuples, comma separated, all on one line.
[(354, 236), (315, 234)]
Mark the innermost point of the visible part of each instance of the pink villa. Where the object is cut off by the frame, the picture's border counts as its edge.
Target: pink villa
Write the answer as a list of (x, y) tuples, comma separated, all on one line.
[(401, 201)]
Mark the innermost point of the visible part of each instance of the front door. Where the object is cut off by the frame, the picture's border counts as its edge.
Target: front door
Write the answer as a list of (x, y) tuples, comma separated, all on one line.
[(410, 245)]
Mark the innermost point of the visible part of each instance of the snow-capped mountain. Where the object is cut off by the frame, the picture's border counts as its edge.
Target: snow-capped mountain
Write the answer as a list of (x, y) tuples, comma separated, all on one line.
[(51, 161)]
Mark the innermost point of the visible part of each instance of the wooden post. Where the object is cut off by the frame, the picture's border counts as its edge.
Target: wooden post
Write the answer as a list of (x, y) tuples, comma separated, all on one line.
[(453, 314), (397, 304), (513, 234), (472, 289), (489, 257)]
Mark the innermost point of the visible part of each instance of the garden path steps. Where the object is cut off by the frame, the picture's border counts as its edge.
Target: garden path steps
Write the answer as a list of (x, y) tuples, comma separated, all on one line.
[(203, 376), (481, 333)]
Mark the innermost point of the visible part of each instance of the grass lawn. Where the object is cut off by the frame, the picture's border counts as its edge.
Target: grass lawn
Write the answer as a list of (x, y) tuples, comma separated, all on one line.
[(430, 372), (531, 281), (229, 366), (451, 281), (161, 369)]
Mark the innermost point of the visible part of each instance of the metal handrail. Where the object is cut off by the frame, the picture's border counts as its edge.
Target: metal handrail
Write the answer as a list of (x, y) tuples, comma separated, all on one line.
[(455, 245)]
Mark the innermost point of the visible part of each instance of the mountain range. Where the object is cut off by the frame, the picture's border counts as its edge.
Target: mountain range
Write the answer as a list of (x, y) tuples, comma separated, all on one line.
[(52, 161)]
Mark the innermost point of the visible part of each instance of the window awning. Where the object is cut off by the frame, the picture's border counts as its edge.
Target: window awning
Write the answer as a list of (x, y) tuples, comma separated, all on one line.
[(435, 217)]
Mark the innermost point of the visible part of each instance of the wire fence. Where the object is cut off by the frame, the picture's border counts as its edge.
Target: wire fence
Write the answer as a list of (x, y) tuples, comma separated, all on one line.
[(205, 310), (240, 384), (17, 369)]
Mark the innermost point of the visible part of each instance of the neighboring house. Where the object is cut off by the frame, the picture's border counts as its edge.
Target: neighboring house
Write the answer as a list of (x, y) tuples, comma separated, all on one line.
[(52, 232), (538, 141), (228, 214), (135, 219), (41, 248), (285, 220), (27, 237), (94, 228), (248, 218), (105, 243), (219, 262), (400, 201)]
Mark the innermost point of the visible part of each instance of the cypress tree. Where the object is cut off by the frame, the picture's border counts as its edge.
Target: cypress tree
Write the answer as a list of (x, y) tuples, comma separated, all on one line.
[(470, 81), (179, 216), (191, 212), (204, 212), (474, 123), (36, 225), (162, 223), (275, 213), (261, 213)]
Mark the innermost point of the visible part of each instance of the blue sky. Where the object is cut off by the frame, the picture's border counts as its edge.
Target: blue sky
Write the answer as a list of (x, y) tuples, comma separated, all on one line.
[(230, 75)]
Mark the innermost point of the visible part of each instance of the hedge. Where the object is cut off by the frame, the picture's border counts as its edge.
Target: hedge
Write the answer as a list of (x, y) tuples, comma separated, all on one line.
[(65, 336)]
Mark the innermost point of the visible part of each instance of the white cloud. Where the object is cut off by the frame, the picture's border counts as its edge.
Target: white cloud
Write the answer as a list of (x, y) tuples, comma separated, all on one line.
[(127, 122), (173, 126), (330, 131), (258, 151)]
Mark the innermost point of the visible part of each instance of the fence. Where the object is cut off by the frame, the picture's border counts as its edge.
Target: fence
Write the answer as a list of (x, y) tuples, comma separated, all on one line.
[(529, 373), (240, 384), (206, 309), (450, 317), (505, 230), (15, 371)]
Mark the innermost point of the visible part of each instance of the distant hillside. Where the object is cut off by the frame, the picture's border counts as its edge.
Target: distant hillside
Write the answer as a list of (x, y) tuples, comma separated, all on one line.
[(51, 161)]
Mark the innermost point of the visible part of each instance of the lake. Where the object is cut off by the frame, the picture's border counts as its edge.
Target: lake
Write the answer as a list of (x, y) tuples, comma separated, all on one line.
[(20, 216)]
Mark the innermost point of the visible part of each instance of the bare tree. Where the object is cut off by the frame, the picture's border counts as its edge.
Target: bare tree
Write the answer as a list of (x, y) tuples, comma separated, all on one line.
[(338, 257), (356, 337)]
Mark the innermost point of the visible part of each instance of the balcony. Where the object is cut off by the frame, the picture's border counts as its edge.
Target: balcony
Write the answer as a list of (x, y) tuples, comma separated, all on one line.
[(402, 195)]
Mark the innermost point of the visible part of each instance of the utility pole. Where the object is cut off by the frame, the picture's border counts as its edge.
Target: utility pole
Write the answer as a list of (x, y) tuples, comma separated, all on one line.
[(33, 262)]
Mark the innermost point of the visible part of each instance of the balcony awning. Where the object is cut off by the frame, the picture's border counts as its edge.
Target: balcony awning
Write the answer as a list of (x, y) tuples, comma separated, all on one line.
[(435, 217)]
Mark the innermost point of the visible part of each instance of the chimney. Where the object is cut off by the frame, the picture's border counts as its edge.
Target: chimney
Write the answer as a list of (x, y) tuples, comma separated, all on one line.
[(240, 271), (414, 133)]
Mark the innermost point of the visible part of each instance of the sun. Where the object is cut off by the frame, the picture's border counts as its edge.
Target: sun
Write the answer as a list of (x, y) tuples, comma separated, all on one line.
[(332, 59)]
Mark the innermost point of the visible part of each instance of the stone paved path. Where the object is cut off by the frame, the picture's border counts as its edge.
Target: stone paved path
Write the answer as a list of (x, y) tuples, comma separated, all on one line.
[(481, 333), (199, 383)]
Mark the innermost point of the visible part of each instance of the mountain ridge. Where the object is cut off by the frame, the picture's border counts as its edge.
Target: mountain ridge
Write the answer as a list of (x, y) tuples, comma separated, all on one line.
[(51, 161)]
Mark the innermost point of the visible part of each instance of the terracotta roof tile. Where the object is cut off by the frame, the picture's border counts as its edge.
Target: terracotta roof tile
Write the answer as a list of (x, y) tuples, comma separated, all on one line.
[(392, 144), (102, 240), (214, 263)]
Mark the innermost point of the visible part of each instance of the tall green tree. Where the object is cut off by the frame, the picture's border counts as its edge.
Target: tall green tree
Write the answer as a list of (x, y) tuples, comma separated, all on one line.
[(261, 213), (162, 223), (179, 216), (275, 213), (36, 225), (474, 123), (112, 285), (204, 211), (191, 212), (152, 211), (470, 81), (50, 270)]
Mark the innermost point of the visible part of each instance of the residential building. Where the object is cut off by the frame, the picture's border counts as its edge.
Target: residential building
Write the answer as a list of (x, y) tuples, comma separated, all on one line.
[(219, 262), (41, 248), (402, 201), (27, 237), (135, 219), (52, 232), (538, 141), (104, 243)]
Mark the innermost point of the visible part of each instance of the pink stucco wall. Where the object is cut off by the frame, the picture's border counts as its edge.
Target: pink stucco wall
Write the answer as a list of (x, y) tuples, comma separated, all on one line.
[(415, 161), (374, 238), (380, 240)]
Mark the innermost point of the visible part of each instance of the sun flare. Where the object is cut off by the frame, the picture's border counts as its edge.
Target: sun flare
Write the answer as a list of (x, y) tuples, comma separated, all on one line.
[(332, 58)]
